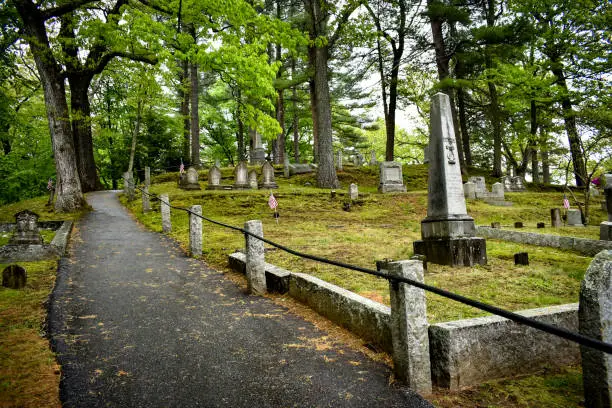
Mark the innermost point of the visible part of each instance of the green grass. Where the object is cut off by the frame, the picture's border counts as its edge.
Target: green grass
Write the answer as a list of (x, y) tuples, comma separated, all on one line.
[(30, 374)]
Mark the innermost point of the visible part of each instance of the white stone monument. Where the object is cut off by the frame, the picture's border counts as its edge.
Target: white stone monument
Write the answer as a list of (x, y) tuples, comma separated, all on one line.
[(448, 231), (353, 191), (214, 178)]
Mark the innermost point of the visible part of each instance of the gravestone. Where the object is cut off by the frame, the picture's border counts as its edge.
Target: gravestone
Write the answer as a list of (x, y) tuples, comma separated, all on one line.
[(391, 179), (555, 217), (496, 225), (339, 161), (514, 184), (518, 224), (605, 228), (373, 161), (267, 171), (297, 168), (574, 218), (241, 176), (448, 231), (14, 277), (258, 153), (218, 163), (286, 166), (480, 186), (253, 179), (358, 160), (469, 190), (541, 225), (497, 191), (26, 229), (214, 178), (521, 258), (595, 321), (353, 191), (189, 181)]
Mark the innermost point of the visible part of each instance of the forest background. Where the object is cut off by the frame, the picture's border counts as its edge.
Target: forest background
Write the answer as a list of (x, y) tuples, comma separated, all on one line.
[(91, 89)]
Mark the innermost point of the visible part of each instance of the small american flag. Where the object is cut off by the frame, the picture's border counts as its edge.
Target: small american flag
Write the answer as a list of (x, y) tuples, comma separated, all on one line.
[(50, 184), (566, 203), (182, 168), (272, 202)]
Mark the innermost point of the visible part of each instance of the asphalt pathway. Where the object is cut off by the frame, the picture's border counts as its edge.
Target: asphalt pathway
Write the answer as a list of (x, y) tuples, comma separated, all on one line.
[(136, 323)]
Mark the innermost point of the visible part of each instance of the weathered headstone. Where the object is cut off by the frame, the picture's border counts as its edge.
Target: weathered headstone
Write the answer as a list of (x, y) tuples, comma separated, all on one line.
[(595, 321), (497, 191), (267, 172), (339, 161), (555, 217), (353, 191), (301, 168), (255, 261), (358, 160), (26, 229), (195, 230), (241, 176), (469, 190), (165, 213), (574, 218), (409, 326), (541, 225), (257, 154), (514, 184), (189, 181), (481, 187), (391, 179), (518, 224), (14, 277), (286, 166), (373, 161), (253, 179), (448, 231), (218, 163), (214, 178)]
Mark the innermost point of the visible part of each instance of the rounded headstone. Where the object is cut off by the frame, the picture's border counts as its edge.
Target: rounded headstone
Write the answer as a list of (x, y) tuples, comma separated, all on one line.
[(14, 277)]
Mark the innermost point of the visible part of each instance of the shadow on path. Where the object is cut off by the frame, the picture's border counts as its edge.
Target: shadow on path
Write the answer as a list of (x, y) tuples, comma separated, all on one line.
[(138, 324)]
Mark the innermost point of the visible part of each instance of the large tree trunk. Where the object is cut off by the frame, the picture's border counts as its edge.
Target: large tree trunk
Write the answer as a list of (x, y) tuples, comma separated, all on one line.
[(390, 119), (315, 120), (68, 187), (195, 117), (318, 57), (4, 138), (495, 119), (280, 117), (545, 167), (569, 116), (183, 93), (135, 136), (81, 132), (443, 66)]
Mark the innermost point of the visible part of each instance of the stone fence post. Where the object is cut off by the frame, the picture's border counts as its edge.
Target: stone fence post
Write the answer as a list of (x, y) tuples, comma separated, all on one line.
[(595, 320), (409, 326), (165, 213), (128, 185), (147, 176), (256, 276), (195, 230), (146, 201)]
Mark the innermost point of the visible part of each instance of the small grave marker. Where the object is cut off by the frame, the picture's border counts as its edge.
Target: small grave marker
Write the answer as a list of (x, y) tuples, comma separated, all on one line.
[(541, 225), (495, 225), (14, 277), (521, 258), (518, 224), (555, 217)]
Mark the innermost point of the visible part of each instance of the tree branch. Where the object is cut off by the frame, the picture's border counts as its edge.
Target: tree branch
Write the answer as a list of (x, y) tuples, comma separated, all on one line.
[(64, 8)]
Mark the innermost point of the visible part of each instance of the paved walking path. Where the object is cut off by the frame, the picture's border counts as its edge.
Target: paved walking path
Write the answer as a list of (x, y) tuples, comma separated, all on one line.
[(138, 324)]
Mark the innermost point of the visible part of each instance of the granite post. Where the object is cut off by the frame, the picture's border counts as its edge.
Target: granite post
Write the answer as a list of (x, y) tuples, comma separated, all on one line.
[(255, 261), (147, 176), (339, 161), (195, 231), (165, 213), (128, 185), (146, 201), (447, 231), (286, 166), (595, 320), (555, 217), (409, 327)]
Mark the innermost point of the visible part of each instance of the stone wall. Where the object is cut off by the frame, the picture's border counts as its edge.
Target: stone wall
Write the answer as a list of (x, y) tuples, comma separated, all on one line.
[(471, 351), (589, 247), (462, 352)]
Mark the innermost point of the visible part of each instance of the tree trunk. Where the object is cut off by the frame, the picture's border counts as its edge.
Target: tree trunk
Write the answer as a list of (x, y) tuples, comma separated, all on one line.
[(545, 167), (135, 136), (81, 132), (241, 153), (569, 116), (465, 136), (318, 57), (4, 138), (183, 92), (195, 117), (390, 119), (494, 118), (315, 120), (442, 64), (68, 187), (280, 117)]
